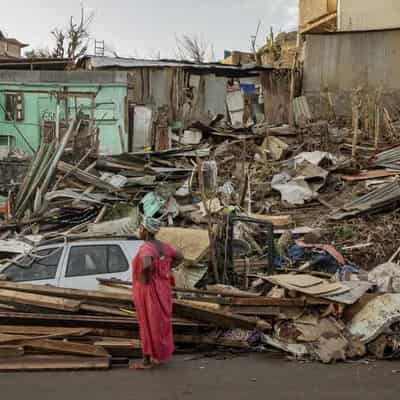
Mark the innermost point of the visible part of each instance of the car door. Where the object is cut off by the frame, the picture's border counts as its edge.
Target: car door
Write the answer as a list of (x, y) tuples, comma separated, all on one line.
[(41, 267), (85, 263)]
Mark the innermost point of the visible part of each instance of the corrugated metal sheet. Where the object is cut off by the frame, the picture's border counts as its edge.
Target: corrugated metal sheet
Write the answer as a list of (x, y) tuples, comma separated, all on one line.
[(301, 110)]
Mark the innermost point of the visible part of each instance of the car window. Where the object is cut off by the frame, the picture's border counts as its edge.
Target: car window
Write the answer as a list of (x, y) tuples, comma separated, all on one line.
[(116, 260), (95, 260), (36, 266)]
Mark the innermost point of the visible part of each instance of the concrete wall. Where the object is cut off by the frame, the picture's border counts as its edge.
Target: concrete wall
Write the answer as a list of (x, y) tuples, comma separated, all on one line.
[(368, 14), (39, 90), (342, 62)]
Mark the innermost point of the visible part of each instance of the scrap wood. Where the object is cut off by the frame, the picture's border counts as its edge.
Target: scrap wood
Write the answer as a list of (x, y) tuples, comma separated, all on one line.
[(193, 243), (11, 351), (276, 220), (259, 311), (85, 320), (216, 318), (12, 338), (294, 282), (53, 363), (65, 347), (43, 330), (118, 343), (357, 290), (276, 302), (212, 291), (208, 340), (86, 177), (370, 175), (82, 295), (96, 309), (52, 303)]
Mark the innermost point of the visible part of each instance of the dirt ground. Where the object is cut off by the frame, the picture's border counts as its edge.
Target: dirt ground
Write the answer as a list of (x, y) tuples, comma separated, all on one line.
[(259, 376)]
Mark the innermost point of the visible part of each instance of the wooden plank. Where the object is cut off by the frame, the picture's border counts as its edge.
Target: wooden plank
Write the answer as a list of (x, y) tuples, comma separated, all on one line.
[(11, 351), (85, 177), (19, 338), (330, 18), (304, 281), (265, 311), (214, 292), (104, 310), (53, 363), (277, 302), (72, 332), (42, 301), (64, 347), (205, 340), (221, 319), (375, 174), (276, 220), (83, 295), (288, 282), (43, 330), (83, 321), (118, 344), (325, 288)]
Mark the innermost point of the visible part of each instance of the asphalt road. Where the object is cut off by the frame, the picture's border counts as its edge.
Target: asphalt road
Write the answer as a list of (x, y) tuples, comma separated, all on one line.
[(246, 377)]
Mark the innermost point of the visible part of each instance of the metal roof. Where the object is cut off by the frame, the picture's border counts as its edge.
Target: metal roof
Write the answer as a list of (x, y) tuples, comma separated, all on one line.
[(113, 62)]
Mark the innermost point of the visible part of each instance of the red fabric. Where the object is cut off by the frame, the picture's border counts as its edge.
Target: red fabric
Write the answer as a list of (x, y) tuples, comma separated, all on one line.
[(153, 302), (326, 247)]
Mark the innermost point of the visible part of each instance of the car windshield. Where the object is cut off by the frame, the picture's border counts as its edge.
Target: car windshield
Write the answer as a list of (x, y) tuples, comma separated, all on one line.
[(39, 265)]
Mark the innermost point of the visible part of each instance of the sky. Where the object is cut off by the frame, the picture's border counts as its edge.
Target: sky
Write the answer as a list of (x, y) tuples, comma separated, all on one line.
[(148, 28)]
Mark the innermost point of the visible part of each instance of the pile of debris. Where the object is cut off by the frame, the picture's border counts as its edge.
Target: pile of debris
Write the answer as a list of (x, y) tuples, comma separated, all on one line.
[(281, 229), (48, 328)]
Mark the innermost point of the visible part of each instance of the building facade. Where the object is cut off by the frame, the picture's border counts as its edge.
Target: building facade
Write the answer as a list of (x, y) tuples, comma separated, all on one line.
[(10, 47), (32, 101)]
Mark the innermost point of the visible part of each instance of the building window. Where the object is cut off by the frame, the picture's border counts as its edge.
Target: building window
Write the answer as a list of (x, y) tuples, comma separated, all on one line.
[(14, 107)]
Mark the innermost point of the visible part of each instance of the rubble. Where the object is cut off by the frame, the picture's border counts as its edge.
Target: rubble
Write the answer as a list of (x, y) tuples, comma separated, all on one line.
[(277, 223)]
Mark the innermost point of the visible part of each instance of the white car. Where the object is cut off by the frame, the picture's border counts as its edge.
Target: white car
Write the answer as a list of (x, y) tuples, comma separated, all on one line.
[(75, 264)]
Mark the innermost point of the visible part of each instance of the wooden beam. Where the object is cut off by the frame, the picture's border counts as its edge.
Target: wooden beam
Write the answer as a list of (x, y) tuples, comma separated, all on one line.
[(276, 220), (64, 347), (11, 351), (220, 319), (84, 321), (276, 302), (83, 295), (86, 177), (43, 330), (36, 300), (8, 339), (105, 310), (205, 340), (319, 22), (52, 363)]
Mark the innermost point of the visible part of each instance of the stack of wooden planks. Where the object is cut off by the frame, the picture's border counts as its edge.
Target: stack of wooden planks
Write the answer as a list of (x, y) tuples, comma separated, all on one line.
[(48, 328)]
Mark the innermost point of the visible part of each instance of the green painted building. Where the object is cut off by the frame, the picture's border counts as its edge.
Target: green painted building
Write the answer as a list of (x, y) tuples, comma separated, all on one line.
[(32, 101)]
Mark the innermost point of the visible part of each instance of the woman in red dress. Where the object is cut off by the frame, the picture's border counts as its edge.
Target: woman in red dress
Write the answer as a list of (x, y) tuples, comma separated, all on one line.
[(152, 294)]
